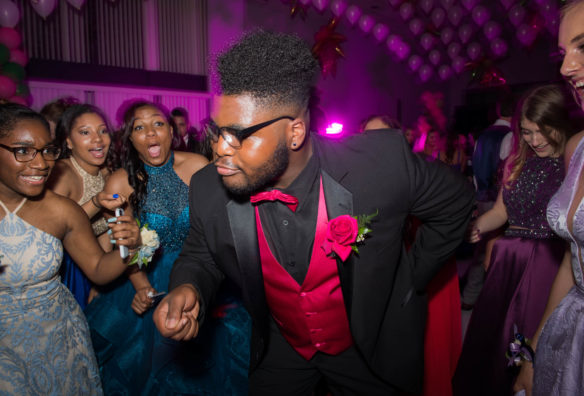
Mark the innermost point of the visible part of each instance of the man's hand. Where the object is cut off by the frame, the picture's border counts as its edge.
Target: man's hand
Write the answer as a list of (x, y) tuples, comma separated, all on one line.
[(176, 315)]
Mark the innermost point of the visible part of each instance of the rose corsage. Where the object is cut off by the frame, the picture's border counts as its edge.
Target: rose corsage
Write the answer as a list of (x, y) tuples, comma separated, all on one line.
[(519, 350), (345, 232), (150, 242)]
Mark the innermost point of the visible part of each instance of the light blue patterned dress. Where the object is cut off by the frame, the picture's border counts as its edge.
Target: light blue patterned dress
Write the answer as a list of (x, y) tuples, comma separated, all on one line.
[(45, 347), (134, 359)]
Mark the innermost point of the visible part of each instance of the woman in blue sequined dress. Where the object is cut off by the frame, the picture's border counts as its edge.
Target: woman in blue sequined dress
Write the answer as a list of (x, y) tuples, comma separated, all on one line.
[(525, 260), (134, 359)]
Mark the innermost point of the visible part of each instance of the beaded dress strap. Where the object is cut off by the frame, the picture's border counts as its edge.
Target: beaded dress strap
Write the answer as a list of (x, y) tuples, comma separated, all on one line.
[(20, 205)]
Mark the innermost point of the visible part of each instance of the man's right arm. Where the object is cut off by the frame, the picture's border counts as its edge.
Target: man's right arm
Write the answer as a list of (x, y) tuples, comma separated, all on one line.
[(195, 265), (194, 280)]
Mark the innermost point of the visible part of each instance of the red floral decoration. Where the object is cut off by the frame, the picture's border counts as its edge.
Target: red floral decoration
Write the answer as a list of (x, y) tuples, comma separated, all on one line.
[(327, 47), (485, 73)]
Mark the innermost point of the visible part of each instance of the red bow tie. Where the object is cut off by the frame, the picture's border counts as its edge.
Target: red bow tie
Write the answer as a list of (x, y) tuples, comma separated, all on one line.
[(275, 195)]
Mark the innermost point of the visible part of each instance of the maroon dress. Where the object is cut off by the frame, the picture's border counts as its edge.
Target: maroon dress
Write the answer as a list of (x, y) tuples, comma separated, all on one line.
[(523, 265)]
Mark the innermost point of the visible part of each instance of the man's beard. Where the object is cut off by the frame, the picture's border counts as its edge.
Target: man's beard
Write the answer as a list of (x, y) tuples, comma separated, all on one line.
[(269, 172)]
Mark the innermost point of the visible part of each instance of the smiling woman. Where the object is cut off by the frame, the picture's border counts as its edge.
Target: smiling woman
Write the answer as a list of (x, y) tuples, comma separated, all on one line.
[(39, 319), (525, 260)]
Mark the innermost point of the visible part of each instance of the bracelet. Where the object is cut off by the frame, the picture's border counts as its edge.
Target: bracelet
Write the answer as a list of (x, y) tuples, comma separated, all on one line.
[(520, 350), (96, 204)]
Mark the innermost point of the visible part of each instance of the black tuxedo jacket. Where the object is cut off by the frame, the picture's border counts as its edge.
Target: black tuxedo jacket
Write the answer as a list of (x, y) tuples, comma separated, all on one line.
[(383, 287)]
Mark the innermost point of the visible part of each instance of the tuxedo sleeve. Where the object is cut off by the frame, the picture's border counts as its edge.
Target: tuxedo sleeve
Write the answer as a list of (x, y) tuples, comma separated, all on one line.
[(442, 199), (195, 264)]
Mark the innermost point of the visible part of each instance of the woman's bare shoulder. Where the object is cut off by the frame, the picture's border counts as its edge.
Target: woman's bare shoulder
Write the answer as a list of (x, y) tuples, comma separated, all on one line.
[(189, 163)]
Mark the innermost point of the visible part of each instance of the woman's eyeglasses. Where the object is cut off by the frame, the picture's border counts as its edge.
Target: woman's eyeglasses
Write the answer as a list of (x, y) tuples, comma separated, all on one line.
[(26, 154)]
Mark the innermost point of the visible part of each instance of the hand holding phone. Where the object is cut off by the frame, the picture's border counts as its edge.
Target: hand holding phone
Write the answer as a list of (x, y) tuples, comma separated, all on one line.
[(123, 249)]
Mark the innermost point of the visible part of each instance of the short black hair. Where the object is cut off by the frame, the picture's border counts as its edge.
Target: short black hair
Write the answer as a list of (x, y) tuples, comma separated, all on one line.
[(180, 112), (12, 113), (276, 69)]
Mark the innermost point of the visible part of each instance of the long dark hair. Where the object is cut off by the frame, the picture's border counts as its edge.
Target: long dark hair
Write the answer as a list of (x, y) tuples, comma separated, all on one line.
[(546, 106), (129, 158), (65, 125)]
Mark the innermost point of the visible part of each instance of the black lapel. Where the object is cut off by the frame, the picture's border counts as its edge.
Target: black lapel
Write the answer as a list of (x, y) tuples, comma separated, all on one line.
[(243, 230), (339, 201)]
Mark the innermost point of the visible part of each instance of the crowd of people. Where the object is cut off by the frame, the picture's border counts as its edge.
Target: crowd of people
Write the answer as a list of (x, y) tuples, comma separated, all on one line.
[(284, 262)]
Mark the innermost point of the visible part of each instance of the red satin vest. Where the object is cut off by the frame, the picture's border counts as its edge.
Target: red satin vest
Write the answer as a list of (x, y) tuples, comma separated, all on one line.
[(311, 317)]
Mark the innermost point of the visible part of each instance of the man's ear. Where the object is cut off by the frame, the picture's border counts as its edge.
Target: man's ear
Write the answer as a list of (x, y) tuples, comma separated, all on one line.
[(298, 134)]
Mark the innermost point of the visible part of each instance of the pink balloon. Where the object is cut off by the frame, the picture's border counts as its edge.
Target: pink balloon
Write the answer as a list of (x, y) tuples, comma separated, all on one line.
[(480, 15), (438, 15), (9, 13), (366, 23), (406, 10), (553, 25), (499, 47), (491, 30), (7, 87), (416, 26), (548, 10), (446, 35), (18, 56), (516, 15), (10, 37), (353, 14), (444, 72), (338, 7), (380, 32), (427, 41), (465, 33), (507, 4), (395, 3), (474, 50), (469, 4), (44, 7), (453, 50), (76, 3), (455, 15), (393, 42), (426, 5), (414, 62), (425, 72), (403, 51), (458, 64), (305, 2), (434, 57), (526, 34)]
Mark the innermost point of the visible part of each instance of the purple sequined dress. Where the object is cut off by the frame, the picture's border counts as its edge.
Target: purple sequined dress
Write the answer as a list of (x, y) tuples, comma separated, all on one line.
[(523, 265), (559, 360)]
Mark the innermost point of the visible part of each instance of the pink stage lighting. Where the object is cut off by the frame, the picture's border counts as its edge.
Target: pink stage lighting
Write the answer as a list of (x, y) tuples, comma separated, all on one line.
[(334, 129)]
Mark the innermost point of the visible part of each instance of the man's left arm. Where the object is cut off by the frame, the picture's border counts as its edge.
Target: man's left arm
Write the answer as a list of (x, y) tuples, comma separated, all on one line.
[(442, 200)]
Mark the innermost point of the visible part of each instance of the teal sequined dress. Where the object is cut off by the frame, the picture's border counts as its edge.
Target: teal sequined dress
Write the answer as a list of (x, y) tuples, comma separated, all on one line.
[(134, 359)]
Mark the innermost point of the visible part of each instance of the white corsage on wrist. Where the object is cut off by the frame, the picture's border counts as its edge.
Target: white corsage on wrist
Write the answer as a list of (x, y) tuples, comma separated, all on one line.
[(150, 242)]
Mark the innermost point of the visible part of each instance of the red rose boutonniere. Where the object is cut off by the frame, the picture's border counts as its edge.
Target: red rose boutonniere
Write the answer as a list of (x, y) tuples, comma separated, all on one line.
[(344, 233)]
